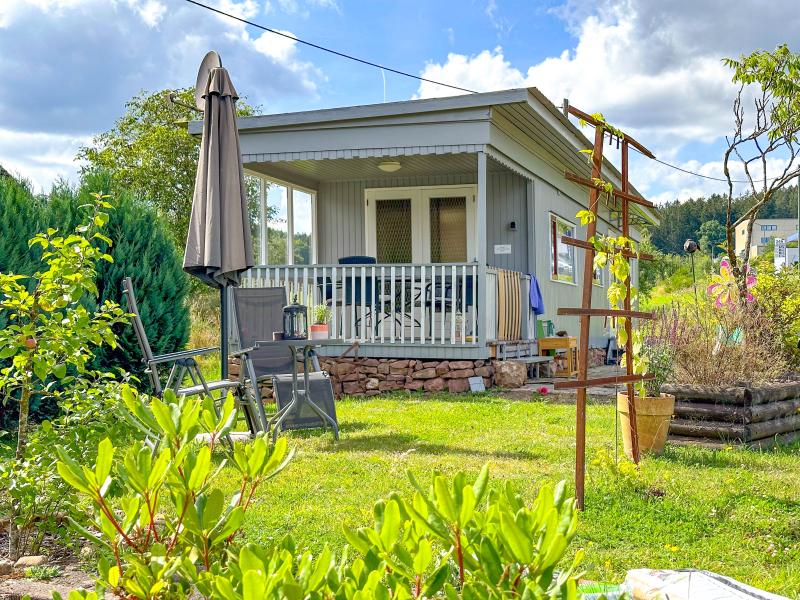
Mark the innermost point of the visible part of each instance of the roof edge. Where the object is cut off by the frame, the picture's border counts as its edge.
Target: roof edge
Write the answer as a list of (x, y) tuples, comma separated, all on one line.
[(368, 111)]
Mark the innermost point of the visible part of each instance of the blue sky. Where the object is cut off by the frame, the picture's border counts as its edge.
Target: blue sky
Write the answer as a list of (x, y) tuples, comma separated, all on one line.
[(652, 67)]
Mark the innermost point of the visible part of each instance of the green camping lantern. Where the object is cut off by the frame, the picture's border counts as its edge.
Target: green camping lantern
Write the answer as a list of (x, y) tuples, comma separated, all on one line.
[(295, 321)]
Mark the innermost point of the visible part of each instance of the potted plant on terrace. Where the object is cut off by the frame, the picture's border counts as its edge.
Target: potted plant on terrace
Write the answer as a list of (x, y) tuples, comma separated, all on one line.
[(653, 409), (320, 315)]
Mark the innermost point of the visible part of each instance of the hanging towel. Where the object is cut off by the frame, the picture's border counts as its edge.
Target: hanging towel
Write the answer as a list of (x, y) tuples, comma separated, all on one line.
[(537, 302)]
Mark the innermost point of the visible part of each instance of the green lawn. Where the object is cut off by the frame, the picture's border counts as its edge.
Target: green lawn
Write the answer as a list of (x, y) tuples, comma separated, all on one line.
[(733, 512)]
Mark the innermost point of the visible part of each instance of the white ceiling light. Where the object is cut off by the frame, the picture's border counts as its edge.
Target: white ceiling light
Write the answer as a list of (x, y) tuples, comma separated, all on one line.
[(389, 166)]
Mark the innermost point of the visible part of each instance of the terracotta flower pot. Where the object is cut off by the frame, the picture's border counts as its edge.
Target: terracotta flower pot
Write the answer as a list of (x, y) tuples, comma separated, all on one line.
[(318, 332), (653, 415)]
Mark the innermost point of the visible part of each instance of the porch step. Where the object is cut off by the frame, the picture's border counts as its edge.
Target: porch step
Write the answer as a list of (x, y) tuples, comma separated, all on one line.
[(533, 359), (514, 350)]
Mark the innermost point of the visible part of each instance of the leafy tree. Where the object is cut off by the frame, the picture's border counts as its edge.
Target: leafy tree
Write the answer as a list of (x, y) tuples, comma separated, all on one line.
[(711, 234), (150, 152), (767, 132)]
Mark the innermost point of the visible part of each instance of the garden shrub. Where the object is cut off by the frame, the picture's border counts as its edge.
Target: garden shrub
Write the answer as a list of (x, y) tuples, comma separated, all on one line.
[(778, 297), (455, 539), (90, 410)]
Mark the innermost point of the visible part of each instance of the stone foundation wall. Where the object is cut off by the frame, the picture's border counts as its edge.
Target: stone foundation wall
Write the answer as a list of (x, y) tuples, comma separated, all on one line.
[(373, 376)]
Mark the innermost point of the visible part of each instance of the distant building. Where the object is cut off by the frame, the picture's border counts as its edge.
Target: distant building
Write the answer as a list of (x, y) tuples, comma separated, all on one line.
[(764, 230), (786, 251)]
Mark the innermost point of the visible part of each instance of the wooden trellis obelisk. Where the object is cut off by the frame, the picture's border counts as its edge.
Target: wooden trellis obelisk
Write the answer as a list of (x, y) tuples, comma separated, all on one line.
[(586, 312)]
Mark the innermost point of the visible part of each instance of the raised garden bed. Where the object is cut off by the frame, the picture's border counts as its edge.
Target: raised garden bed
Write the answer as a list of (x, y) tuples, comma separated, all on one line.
[(755, 416)]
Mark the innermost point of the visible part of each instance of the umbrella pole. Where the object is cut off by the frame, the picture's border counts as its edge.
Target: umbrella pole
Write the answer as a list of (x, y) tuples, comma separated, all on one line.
[(223, 321)]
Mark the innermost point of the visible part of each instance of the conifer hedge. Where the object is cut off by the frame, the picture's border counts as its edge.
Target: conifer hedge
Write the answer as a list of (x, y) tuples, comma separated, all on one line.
[(142, 250)]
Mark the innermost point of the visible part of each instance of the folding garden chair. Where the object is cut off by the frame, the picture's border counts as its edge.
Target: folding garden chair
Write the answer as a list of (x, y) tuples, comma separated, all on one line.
[(182, 364)]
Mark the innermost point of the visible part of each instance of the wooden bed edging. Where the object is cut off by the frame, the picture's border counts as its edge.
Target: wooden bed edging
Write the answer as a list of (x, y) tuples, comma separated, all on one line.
[(735, 414), (755, 416), (743, 395), (734, 431), (764, 444)]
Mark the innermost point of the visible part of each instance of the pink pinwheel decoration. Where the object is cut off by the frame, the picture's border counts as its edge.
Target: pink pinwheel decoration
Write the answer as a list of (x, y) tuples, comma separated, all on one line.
[(723, 286)]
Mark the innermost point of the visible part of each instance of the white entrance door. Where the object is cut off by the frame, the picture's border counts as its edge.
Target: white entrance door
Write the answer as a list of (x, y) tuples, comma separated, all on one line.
[(421, 225)]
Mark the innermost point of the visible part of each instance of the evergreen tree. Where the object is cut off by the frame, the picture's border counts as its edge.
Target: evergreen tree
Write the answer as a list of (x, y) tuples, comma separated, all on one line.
[(710, 235), (144, 251), (21, 217), (682, 219)]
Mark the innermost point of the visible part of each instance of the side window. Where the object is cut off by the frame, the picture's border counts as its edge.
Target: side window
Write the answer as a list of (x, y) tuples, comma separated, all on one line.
[(562, 256), (597, 277)]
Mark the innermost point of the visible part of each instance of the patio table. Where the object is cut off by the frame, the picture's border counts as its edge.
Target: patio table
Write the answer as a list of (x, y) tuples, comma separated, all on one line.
[(300, 397)]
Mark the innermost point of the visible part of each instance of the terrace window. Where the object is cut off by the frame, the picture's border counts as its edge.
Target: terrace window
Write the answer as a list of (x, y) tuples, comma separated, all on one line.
[(281, 221), (562, 256)]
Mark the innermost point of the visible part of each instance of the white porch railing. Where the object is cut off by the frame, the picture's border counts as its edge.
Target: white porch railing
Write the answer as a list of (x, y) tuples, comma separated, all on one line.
[(420, 304)]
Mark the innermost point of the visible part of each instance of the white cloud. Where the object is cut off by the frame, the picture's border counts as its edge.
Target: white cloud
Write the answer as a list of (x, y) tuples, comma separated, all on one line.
[(276, 46), (283, 50), (502, 25), (488, 70), (651, 67), (40, 157), (150, 11), (244, 9), (75, 85), (663, 184), (303, 9)]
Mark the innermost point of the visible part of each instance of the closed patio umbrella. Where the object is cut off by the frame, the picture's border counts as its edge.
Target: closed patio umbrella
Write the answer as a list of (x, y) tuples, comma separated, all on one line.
[(219, 246)]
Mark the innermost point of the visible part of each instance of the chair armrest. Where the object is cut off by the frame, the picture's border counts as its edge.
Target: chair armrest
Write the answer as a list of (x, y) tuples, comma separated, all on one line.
[(173, 356), (243, 351)]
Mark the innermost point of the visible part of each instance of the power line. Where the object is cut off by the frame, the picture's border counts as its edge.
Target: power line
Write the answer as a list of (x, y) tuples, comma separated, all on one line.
[(688, 172), (329, 50), (409, 75)]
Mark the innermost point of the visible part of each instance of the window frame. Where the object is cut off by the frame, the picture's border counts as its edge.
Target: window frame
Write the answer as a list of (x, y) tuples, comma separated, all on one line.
[(263, 258), (553, 227)]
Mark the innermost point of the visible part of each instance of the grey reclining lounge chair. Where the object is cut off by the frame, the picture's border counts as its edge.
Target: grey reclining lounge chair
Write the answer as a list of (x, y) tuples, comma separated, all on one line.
[(259, 313), (182, 364)]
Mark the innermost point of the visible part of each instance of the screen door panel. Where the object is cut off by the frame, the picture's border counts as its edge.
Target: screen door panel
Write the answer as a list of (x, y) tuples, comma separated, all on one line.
[(448, 229), (393, 231)]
